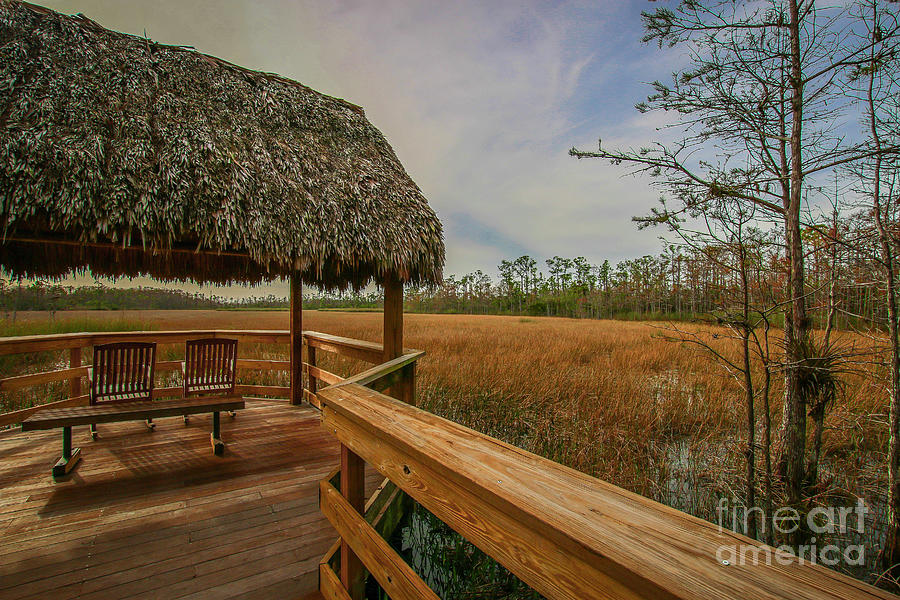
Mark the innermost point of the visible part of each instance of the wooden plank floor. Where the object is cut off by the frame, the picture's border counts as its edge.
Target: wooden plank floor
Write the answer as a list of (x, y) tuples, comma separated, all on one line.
[(157, 515)]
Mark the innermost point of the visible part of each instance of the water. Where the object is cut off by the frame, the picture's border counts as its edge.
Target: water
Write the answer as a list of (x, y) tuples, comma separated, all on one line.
[(451, 566), (698, 477)]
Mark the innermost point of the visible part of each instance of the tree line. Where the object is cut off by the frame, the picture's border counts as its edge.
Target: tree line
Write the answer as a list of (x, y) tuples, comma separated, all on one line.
[(19, 295), (683, 282)]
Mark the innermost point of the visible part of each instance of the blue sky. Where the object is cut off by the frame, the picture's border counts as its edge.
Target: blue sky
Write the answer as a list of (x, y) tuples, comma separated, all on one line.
[(480, 100)]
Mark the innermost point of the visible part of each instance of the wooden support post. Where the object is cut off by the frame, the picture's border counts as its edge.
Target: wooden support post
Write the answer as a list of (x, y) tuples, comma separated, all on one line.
[(296, 338), (353, 488), (393, 318), (215, 437), (74, 363), (393, 339)]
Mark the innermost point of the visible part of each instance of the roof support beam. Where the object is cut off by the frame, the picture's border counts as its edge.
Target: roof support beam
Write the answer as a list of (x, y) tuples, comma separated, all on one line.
[(296, 338), (393, 318), (393, 339)]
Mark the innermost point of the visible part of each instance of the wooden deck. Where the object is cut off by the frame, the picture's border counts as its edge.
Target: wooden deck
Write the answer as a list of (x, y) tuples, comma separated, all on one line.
[(157, 515)]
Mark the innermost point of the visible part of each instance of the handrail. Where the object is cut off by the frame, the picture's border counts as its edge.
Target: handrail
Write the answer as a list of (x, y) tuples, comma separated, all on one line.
[(386, 374), (64, 341), (564, 533)]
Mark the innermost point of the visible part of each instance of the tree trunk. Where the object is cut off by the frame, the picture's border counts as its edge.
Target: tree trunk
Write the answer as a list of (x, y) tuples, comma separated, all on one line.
[(890, 556), (767, 450), (751, 415), (793, 422), (818, 411)]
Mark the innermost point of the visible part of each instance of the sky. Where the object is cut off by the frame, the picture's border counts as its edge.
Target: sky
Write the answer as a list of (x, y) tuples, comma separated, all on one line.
[(480, 100)]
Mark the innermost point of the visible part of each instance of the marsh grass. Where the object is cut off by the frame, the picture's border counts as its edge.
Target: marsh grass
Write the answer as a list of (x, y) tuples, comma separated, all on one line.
[(66, 324), (615, 400)]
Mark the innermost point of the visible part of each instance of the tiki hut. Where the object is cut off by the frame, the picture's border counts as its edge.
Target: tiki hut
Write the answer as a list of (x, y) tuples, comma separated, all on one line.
[(127, 157)]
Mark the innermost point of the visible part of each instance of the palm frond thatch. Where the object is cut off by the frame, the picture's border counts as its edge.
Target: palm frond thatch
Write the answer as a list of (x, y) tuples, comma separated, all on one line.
[(162, 161)]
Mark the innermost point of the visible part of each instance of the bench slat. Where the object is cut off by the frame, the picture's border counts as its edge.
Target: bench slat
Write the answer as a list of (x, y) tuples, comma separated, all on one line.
[(128, 411)]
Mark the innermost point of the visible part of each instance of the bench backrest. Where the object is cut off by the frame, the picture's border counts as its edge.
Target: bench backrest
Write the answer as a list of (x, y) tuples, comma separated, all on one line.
[(123, 372), (209, 366)]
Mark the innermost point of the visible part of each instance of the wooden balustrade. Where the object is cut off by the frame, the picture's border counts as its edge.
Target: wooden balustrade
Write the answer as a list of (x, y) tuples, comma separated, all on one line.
[(361, 544), (369, 352), (564, 533), (75, 342), (395, 576)]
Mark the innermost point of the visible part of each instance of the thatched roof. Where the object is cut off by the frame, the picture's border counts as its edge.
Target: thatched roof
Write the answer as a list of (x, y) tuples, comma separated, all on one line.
[(162, 161)]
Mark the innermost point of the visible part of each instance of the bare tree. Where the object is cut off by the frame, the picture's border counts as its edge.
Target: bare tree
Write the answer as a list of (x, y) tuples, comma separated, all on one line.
[(734, 247), (759, 113)]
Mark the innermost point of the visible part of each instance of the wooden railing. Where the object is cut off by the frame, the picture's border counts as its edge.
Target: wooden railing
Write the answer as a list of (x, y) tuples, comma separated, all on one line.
[(564, 533), (342, 500), (74, 343)]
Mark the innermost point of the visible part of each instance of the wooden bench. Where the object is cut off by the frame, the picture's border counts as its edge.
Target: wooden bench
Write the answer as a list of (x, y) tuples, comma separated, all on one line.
[(131, 411), (122, 390)]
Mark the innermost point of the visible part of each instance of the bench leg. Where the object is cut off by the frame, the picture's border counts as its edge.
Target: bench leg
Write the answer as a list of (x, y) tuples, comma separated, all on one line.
[(69, 458), (94, 431), (216, 436), (150, 424)]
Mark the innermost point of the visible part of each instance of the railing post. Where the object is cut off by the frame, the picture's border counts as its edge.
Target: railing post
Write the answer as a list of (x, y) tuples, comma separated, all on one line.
[(353, 488), (75, 382), (407, 386), (311, 361)]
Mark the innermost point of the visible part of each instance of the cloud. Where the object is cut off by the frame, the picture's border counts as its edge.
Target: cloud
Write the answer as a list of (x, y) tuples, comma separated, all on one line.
[(467, 229)]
